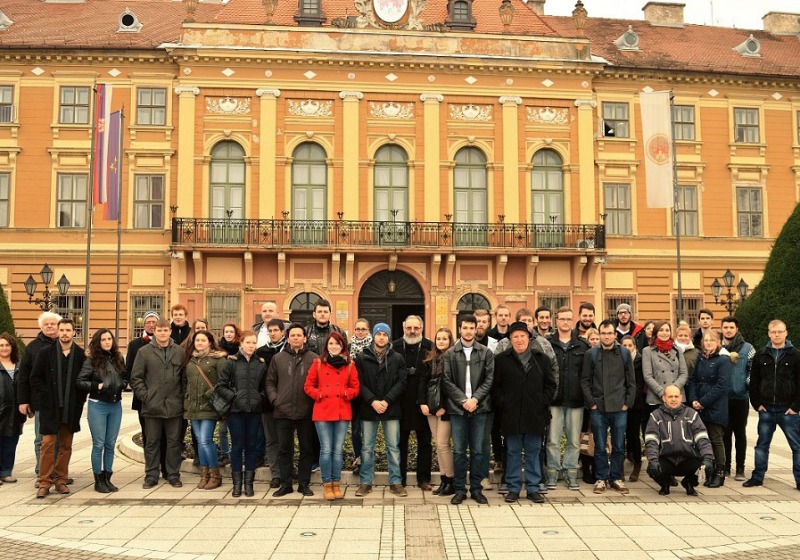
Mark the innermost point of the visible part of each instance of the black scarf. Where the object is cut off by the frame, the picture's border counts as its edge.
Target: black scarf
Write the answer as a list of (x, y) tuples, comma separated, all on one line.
[(735, 344), (337, 361), (62, 383)]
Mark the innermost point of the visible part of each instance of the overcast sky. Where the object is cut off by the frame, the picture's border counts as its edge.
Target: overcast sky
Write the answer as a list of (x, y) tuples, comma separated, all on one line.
[(744, 14)]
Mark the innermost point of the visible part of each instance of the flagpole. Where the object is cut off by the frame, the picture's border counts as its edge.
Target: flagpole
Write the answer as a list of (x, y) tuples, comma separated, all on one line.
[(89, 214), (675, 209), (118, 187)]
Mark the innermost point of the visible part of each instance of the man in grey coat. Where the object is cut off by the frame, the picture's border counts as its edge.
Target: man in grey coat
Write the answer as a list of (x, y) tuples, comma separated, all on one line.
[(156, 381)]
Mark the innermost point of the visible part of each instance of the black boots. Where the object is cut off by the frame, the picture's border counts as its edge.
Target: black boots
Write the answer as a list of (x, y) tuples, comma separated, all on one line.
[(718, 478), (689, 483), (249, 477), (100, 483), (237, 483), (587, 468), (446, 487), (108, 481)]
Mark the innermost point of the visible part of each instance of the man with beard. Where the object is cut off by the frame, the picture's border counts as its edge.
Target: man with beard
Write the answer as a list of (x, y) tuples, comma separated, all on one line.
[(741, 355), (180, 327), (625, 325), (48, 334), (585, 319), (320, 326), (482, 329), (360, 340), (706, 319), (502, 318), (544, 321), (414, 347), (275, 344)]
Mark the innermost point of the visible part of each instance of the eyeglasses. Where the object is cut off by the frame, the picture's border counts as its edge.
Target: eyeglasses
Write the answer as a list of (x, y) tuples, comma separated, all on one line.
[(564, 319), (361, 329)]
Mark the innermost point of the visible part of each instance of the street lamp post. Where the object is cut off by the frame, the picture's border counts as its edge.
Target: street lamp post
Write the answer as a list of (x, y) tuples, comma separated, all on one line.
[(728, 299), (47, 301)]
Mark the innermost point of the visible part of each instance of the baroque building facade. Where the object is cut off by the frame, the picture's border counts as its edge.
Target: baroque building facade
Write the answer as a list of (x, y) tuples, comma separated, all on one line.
[(391, 156)]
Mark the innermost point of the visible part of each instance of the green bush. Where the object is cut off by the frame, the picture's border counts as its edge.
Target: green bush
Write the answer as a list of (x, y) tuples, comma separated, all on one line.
[(7, 321)]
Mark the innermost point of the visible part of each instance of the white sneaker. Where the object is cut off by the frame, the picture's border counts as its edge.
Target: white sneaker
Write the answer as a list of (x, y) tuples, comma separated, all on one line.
[(599, 486), (620, 487)]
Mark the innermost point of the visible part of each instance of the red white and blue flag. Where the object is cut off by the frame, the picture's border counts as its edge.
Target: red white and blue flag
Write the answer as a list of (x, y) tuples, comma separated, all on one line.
[(106, 163), (113, 166)]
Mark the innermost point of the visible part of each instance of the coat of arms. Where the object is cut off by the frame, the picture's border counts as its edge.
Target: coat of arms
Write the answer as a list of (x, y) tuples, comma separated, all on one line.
[(390, 14), (390, 11)]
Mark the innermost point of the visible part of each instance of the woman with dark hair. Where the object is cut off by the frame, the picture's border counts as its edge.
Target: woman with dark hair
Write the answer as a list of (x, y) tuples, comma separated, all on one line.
[(10, 419), (431, 400), (663, 364), (332, 382), (231, 338), (102, 376), (648, 330), (201, 370)]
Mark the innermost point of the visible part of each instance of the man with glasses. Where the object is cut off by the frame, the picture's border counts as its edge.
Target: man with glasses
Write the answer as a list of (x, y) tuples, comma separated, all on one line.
[(609, 390), (358, 342), (625, 325), (775, 394)]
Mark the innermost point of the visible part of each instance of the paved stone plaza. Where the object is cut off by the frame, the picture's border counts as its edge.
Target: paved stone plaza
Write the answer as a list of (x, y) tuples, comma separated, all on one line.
[(186, 524)]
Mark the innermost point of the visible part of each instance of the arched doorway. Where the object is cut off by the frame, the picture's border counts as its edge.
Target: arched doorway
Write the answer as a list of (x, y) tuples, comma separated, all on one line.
[(390, 297)]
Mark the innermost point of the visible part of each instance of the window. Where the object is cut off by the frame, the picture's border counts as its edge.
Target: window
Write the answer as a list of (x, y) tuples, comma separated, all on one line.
[(71, 201), (745, 127), (73, 105), (5, 198), (468, 304), (553, 302), (547, 185), (616, 122), (798, 126), (691, 310), (6, 104), (618, 208), (614, 301), (221, 309), (141, 304), (70, 306), (749, 211), (687, 210), (302, 307), (683, 122), (151, 107), (470, 198), (309, 13), (309, 194), (148, 202), (391, 193), (460, 16)]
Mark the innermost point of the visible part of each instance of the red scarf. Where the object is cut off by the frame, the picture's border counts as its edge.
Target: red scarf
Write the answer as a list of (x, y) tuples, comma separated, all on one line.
[(664, 346)]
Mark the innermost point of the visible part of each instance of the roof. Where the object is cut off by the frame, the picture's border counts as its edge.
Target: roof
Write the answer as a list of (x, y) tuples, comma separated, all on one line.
[(694, 48)]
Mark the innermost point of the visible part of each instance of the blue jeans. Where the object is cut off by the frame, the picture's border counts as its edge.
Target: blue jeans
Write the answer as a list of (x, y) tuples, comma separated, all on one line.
[(104, 421), (601, 423), (391, 435), (564, 419), (224, 440), (774, 416), (532, 444), (331, 445), (469, 432), (8, 454), (245, 429), (206, 451)]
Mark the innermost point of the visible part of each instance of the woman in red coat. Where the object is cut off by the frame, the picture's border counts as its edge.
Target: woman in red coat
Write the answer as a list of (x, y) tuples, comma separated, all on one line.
[(332, 382)]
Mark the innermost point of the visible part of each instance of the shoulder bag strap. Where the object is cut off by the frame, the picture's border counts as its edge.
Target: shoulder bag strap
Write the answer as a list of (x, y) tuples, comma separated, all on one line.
[(210, 386)]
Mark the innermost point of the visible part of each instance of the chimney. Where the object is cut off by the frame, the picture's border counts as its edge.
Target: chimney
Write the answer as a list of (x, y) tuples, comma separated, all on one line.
[(782, 23), (537, 6), (666, 14)]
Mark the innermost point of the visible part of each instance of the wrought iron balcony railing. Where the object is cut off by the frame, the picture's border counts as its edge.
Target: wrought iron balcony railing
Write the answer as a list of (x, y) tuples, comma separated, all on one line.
[(367, 235)]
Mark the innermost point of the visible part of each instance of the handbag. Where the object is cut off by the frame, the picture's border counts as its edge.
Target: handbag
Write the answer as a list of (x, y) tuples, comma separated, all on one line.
[(434, 394), (220, 404), (587, 444)]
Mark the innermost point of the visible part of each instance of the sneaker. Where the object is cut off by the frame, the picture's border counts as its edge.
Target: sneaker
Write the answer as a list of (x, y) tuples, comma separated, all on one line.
[(315, 467), (9, 479), (543, 489), (620, 487), (552, 479), (357, 466), (398, 490), (363, 490), (502, 488), (739, 475), (599, 486)]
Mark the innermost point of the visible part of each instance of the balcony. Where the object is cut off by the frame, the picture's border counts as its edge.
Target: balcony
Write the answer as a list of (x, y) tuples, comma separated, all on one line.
[(353, 235)]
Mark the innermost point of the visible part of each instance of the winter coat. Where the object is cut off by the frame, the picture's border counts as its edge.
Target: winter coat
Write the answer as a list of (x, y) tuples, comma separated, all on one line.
[(113, 380), (608, 379), (675, 435), (286, 378), (709, 386), (570, 367), (197, 393), (427, 382), (381, 381), (315, 335), (332, 389), (412, 418), (481, 367), (156, 379), (523, 394), (740, 366), (776, 381), (690, 357), (45, 388), (10, 419), (243, 381), (636, 331), (661, 369), (180, 334), (230, 348), (23, 378), (641, 388), (130, 358)]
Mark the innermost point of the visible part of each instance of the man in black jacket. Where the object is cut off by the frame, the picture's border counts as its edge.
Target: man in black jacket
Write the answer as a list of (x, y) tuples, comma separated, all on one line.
[(414, 347), (775, 394), (382, 374), (60, 405), (320, 326), (180, 327), (523, 388), (48, 325), (566, 410), (276, 342)]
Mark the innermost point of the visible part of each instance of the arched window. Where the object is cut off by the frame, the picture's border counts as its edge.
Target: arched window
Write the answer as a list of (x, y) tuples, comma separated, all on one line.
[(470, 197), (391, 193), (227, 180), (302, 307), (547, 188), (309, 193), (468, 304)]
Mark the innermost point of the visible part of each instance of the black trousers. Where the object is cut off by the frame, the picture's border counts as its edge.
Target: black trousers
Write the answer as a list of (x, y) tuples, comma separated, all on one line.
[(286, 431), (171, 429), (424, 453), (738, 409), (686, 467), (634, 434)]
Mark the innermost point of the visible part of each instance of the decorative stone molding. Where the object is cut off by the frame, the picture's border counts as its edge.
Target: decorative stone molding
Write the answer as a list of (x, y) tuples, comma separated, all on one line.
[(351, 95), (591, 103), (187, 89), (510, 99), (398, 14), (391, 110), (310, 108), (546, 115), (471, 112), (431, 97), (268, 93), (228, 105)]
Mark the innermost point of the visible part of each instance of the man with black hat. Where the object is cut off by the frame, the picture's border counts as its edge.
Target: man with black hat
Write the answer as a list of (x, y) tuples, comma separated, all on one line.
[(625, 325)]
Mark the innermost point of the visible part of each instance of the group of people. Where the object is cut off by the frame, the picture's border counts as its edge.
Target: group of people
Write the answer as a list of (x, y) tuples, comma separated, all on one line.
[(511, 392)]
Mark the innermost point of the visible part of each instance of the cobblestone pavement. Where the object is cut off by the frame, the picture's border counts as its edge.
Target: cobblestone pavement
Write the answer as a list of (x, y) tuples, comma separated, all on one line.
[(189, 524)]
